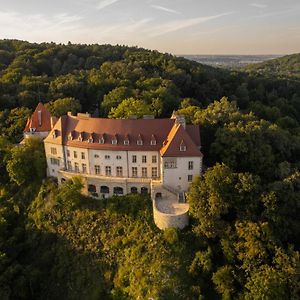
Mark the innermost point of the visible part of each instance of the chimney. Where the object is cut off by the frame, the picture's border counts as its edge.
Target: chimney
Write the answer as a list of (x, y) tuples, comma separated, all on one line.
[(180, 120), (40, 117)]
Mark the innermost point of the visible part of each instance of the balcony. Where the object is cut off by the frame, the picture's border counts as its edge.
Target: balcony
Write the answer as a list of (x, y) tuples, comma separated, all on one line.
[(69, 173)]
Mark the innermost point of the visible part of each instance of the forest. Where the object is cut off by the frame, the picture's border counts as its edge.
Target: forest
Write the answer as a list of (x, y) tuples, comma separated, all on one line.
[(243, 240)]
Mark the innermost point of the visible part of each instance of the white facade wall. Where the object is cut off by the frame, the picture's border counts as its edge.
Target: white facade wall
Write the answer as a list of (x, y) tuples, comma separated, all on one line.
[(140, 164), (105, 158), (177, 177), (51, 156), (79, 159), (39, 134)]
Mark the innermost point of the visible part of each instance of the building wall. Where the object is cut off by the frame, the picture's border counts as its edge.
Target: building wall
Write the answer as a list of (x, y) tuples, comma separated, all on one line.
[(177, 177), (37, 134), (51, 157), (139, 164), (69, 156), (108, 158)]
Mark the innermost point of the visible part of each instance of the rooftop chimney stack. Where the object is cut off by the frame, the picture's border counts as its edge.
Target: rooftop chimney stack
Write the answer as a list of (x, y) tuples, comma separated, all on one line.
[(180, 120), (40, 117)]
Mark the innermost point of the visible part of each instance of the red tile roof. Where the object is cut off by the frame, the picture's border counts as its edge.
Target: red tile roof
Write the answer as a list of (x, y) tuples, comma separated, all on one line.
[(40, 120), (178, 137), (123, 130)]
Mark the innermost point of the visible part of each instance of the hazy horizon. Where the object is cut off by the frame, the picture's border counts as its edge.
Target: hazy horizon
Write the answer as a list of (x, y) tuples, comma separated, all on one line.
[(189, 27)]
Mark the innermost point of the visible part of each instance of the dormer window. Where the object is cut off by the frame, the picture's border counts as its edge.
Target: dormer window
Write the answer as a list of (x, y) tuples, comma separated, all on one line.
[(182, 146), (139, 140), (80, 137), (126, 140), (114, 140), (153, 140), (101, 139), (70, 136), (91, 139)]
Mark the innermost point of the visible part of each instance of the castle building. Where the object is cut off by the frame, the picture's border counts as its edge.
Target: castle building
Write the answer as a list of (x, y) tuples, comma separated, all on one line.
[(118, 156), (40, 123)]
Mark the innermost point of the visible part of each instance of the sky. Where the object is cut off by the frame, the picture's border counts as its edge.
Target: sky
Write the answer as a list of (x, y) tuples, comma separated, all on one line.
[(173, 26)]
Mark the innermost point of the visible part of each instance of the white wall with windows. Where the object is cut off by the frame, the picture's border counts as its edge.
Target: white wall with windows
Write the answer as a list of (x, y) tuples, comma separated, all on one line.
[(77, 159), (178, 172), (108, 163), (55, 158)]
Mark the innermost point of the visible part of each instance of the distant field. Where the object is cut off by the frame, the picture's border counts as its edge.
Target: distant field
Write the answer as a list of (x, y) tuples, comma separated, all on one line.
[(230, 61)]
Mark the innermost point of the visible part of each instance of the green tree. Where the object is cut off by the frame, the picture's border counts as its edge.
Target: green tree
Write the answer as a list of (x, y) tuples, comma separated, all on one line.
[(27, 163), (61, 107), (130, 107)]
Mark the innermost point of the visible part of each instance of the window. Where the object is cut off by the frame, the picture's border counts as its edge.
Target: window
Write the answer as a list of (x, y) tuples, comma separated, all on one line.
[(104, 189), (83, 168), (153, 142), (126, 142), (144, 172), (108, 171), (139, 142), (118, 157), (144, 190), (134, 190), (170, 164), (190, 178), (92, 188), (76, 168), (182, 148), (96, 156), (144, 159), (82, 155), (101, 140), (107, 156), (154, 159), (75, 154), (114, 141), (134, 158), (191, 165), (69, 165), (154, 172), (119, 171), (134, 171), (68, 153), (97, 169), (54, 161), (118, 190), (53, 151)]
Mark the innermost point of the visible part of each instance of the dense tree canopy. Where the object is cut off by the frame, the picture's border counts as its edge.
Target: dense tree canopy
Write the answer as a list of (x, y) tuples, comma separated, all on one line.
[(243, 240)]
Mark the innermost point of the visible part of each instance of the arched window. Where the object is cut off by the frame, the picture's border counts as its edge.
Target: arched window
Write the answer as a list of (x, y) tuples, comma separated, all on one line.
[(134, 190), (144, 190), (158, 196), (104, 189), (92, 188), (118, 190)]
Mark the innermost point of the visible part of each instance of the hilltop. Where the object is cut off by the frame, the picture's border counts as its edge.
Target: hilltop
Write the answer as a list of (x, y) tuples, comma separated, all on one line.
[(244, 236), (287, 67)]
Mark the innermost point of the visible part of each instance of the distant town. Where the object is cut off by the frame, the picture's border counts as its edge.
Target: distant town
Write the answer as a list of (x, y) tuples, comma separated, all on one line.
[(230, 61)]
